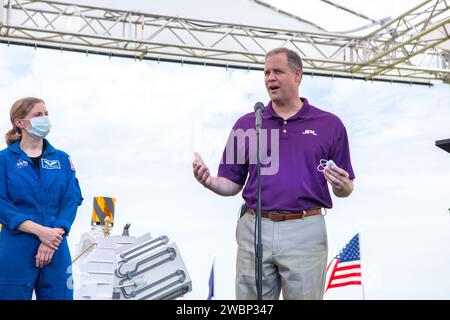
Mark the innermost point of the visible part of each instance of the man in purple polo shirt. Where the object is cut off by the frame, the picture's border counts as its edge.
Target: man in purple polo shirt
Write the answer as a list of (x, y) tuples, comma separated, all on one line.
[(298, 141)]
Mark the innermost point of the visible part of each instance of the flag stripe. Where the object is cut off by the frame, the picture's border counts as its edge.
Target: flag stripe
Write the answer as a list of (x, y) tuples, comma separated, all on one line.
[(341, 272), (344, 264), (345, 284), (341, 280), (337, 271), (348, 268), (343, 276)]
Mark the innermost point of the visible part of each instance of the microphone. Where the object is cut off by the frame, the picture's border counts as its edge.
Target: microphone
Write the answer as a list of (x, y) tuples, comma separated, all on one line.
[(259, 109)]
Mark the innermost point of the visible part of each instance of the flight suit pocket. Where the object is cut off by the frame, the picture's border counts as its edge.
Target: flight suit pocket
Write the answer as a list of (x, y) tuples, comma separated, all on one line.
[(52, 203), (19, 190)]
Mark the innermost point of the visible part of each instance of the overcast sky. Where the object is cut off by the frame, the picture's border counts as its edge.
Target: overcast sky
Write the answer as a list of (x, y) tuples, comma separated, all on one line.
[(131, 129)]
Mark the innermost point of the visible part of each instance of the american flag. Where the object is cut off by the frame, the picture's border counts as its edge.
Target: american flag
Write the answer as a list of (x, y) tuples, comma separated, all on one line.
[(345, 268), (211, 284)]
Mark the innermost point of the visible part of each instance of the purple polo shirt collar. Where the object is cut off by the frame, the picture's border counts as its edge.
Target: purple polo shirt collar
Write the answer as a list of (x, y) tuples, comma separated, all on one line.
[(306, 112)]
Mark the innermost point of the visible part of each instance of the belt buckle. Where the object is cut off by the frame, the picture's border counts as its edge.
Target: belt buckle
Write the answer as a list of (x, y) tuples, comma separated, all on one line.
[(303, 214)]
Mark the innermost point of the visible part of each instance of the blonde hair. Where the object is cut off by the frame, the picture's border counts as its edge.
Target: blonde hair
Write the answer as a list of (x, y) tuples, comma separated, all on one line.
[(18, 111)]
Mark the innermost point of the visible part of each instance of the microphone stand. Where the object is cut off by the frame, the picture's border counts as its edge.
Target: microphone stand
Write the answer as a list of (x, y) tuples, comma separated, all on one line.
[(259, 245)]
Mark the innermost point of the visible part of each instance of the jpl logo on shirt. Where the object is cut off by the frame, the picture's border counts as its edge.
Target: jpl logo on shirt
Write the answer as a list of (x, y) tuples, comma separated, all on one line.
[(310, 132)]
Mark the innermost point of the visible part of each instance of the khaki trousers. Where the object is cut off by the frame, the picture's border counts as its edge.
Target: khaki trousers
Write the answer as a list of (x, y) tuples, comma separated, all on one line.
[(294, 258)]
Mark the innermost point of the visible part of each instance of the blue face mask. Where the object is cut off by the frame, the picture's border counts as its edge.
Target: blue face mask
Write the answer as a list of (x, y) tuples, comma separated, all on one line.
[(40, 127)]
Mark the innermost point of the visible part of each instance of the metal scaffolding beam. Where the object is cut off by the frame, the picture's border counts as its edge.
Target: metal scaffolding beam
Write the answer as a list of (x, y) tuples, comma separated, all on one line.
[(419, 31), (407, 49)]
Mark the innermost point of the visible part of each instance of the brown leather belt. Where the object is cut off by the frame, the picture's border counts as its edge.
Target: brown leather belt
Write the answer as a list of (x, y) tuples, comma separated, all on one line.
[(276, 216)]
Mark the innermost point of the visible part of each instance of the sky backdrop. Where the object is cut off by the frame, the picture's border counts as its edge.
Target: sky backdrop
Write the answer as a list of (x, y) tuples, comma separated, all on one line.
[(131, 128)]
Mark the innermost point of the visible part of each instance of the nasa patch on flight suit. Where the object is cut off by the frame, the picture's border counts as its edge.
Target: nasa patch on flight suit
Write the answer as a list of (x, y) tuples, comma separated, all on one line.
[(21, 164), (50, 164)]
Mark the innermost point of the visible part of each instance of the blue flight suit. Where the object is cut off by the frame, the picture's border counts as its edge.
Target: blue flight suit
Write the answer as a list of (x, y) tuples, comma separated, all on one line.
[(48, 195)]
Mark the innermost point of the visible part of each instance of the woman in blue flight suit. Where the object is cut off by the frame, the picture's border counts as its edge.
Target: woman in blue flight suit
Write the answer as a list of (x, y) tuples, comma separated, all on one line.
[(39, 197)]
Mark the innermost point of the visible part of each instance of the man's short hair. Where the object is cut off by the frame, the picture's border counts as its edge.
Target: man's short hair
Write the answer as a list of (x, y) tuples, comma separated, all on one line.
[(294, 60)]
